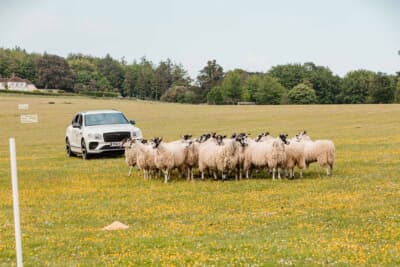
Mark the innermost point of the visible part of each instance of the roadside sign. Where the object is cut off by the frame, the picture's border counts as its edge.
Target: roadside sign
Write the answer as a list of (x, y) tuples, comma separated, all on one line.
[(23, 106), (29, 118)]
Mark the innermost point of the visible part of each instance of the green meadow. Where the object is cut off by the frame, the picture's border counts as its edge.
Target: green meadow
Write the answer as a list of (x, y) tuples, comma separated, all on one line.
[(351, 218)]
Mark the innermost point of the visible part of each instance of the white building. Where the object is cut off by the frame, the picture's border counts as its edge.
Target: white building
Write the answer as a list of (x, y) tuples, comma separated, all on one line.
[(16, 83)]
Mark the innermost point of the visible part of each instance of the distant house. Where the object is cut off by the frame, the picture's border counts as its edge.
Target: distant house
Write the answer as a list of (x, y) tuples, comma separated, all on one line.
[(16, 83)]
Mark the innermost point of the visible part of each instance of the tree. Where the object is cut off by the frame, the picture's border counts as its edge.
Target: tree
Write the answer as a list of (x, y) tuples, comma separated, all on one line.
[(210, 76), (325, 84), (397, 93), (269, 91), (251, 85), (132, 73), (178, 93), (302, 94), (162, 79), (356, 86), (85, 71), (53, 72), (232, 87), (215, 96), (289, 75), (382, 89), (113, 71)]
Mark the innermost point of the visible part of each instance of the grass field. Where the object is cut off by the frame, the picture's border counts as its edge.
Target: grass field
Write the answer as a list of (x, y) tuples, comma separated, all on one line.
[(351, 218)]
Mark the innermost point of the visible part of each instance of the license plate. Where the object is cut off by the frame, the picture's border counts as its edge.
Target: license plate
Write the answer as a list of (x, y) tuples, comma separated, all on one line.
[(114, 144)]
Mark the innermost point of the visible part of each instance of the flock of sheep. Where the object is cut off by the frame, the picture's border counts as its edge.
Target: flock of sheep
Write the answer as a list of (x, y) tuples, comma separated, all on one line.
[(220, 156)]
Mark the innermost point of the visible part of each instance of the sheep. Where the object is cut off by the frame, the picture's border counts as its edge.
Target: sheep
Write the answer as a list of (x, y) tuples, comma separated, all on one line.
[(277, 158), (169, 156), (226, 155), (207, 156), (130, 154), (295, 157), (257, 153), (321, 151), (192, 157), (241, 150), (145, 157)]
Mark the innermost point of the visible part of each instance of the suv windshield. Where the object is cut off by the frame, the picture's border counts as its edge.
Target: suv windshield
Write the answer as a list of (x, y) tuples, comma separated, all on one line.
[(105, 118)]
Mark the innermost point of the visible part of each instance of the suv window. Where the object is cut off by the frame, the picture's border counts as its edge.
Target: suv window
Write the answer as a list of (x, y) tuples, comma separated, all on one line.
[(80, 119), (75, 119)]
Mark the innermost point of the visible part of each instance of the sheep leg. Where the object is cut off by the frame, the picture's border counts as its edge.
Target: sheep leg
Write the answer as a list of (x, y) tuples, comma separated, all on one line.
[(188, 174), (223, 176), (165, 176), (301, 173), (273, 174), (215, 175), (130, 170), (202, 175), (279, 174), (329, 170)]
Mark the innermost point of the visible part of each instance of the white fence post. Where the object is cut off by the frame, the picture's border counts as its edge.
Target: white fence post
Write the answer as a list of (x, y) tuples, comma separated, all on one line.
[(14, 179)]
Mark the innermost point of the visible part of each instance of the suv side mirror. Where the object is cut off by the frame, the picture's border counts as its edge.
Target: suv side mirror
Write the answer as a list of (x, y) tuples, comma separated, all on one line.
[(75, 125), (132, 122)]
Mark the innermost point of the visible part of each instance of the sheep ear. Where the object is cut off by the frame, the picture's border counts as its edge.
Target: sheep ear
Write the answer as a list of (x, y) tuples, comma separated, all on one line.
[(224, 136), (160, 139), (304, 132)]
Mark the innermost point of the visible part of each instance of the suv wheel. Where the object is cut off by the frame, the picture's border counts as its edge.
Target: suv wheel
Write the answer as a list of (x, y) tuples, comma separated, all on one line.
[(85, 154), (68, 149)]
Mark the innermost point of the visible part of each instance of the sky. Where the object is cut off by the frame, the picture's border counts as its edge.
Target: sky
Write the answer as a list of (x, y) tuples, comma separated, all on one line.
[(253, 35)]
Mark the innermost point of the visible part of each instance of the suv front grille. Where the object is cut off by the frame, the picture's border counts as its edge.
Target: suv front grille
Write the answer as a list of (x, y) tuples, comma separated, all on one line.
[(116, 136)]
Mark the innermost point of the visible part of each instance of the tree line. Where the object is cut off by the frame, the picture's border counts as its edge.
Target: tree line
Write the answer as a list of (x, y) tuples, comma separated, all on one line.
[(168, 81)]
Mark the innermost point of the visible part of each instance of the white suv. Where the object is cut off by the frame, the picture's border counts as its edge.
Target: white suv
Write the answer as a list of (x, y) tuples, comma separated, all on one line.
[(94, 132)]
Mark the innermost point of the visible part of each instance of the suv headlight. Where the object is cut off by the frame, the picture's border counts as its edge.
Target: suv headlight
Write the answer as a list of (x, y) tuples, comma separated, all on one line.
[(136, 134), (95, 136)]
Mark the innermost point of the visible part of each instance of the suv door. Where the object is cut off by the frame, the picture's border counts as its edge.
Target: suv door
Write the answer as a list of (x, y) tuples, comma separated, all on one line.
[(76, 133)]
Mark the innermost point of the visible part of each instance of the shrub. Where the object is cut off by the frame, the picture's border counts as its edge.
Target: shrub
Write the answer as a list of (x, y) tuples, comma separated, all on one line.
[(302, 94)]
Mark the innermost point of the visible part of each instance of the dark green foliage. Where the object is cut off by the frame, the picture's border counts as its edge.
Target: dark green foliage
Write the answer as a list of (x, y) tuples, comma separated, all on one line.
[(356, 86), (210, 76), (215, 96), (53, 72), (113, 71), (382, 89), (302, 94), (269, 91), (289, 75), (232, 88), (146, 80)]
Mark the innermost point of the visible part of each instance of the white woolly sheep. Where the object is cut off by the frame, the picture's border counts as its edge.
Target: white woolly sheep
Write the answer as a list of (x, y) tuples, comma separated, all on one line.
[(321, 151), (277, 157), (295, 157), (169, 156), (130, 154), (257, 153)]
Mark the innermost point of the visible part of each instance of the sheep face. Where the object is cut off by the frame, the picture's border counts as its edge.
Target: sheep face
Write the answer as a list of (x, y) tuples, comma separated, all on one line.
[(186, 137), (242, 140), (284, 138), (302, 136), (127, 142), (155, 142), (260, 136), (220, 139)]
